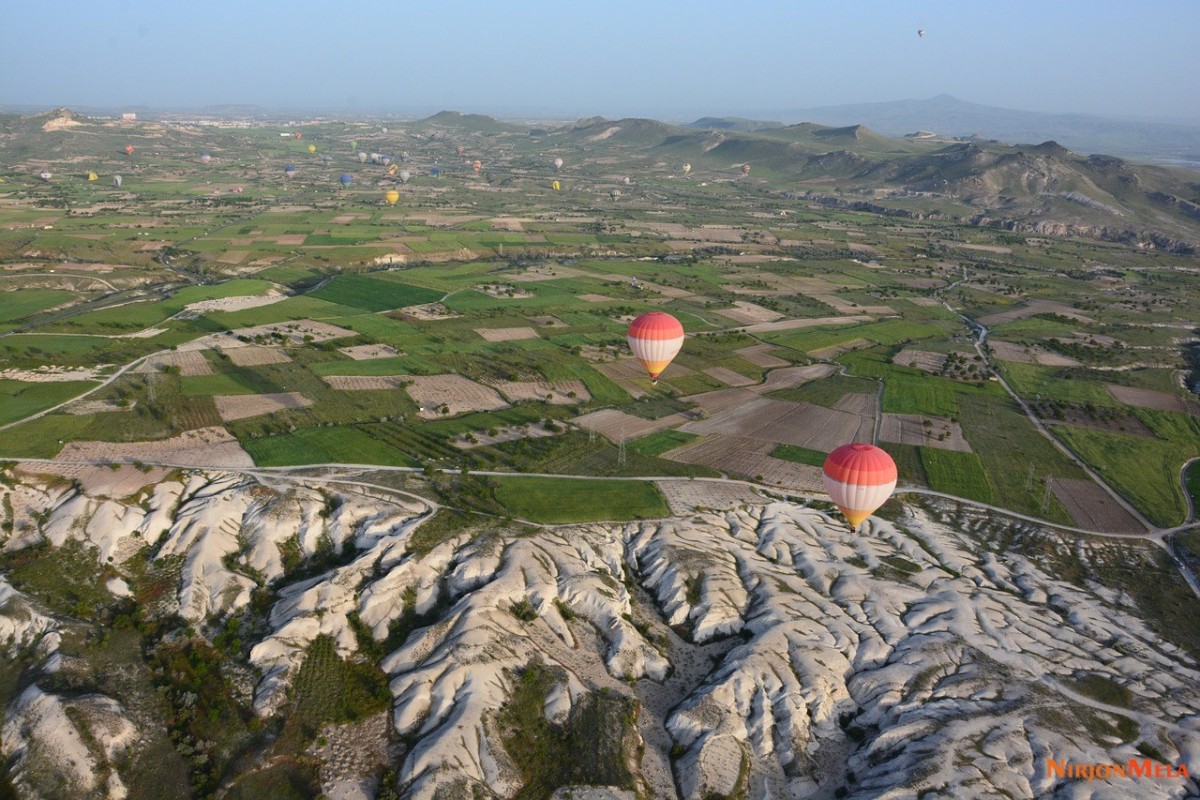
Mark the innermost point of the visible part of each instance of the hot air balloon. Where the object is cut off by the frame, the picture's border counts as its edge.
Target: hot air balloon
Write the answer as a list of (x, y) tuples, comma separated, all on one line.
[(346, 179), (92, 176), (238, 190), (460, 150), (859, 478), (129, 149), (436, 172), (558, 162), (362, 158), (687, 168), (405, 175), (478, 165), (555, 186), (385, 160), (655, 338), (327, 160), (205, 158), (354, 145), (46, 175), (404, 156), (312, 148), (628, 181), (383, 130), (615, 194), (393, 169), (116, 181), (745, 169), (297, 135), (375, 158), (921, 33), (289, 171), (391, 196)]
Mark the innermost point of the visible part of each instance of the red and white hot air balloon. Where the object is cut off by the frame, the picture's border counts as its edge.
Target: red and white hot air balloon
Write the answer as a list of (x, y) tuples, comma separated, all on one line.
[(655, 338), (478, 165), (860, 478), (129, 149)]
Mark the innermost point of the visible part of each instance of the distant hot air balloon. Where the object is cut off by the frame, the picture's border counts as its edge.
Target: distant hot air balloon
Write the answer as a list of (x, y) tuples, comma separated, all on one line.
[(687, 168), (346, 179), (921, 33), (404, 156), (615, 194), (375, 158), (362, 158), (289, 171), (555, 186), (405, 175), (436, 172), (46, 175), (460, 150), (655, 339), (745, 169), (354, 145), (238, 190), (385, 160), (478, 165), (117, 181), (205, 158), (383, 130), (391, 196), (327, 160), (628, 181), (297, 135), (392, 170), (92, 176), (129, 149), (859, 478), (312, 148), (558, 162)]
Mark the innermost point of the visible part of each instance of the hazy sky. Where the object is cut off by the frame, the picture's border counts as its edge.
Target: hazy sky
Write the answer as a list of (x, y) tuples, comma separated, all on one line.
[(646, 57)]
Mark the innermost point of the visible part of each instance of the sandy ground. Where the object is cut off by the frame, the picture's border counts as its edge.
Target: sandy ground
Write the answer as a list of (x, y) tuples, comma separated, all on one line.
[(911, 429), (793, 324), (729, 377), (746, 313), (920, 359), (459, 394), (760, 355), (1032, 308), (104, 481), (747, 456), (612, 424), (366, 352), (506, 334), (202, 447), (365, 383), (503, 291), (54, 374), (297, 330), (241, 406), (1091, 507), (780, 422), (1007, 351), (235, 303), (553, 392), (1147, 398), (88, 407), (190, 363), (255, 356), (504, 434), (594, 298), (685, 497), (428, 312)]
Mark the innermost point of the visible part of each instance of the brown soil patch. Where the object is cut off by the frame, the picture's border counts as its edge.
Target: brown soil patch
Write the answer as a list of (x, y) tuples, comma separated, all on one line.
[(548, 322), (241, 406), (454, 392), (1091, 507), (833, 351), (685, 497), (553, 392), (506, 334), (1032, 354), (1032, 308), (427, 312), (202, 447), (920, 359), (366, 352), (365, 383), (729, 377), (911, 429), (291, 239), (745, 313), (1147, 398), (748, 457), (611, 424), (189, 362), (297, 331), (594, 298), (781, 422), (255, 356), (760, 356)]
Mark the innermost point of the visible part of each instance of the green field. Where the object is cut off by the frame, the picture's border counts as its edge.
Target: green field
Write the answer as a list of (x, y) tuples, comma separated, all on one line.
[(927, 395), (19, 399), (800, 455), (959, 474), (660, 442), (562, 500), (372, 294), (344, 445), (15, 305)]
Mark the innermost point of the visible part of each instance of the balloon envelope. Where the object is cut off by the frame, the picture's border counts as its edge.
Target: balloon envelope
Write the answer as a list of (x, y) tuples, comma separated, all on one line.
[(45, 175), (655, 339), (687, 168), (312, 148), (391, 196), (478, 165), (205, 158), (129, 149), (745, 169), (859, 478), (346, 179), (405, 175), (362, 158), (289, 171), (92, 176), (117, 181), (436, 172), (558, 162), (555, 186)]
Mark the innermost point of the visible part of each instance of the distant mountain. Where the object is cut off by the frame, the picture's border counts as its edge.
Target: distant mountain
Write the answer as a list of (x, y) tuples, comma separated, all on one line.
[(733, 124), (470, 123), (949, 116)]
